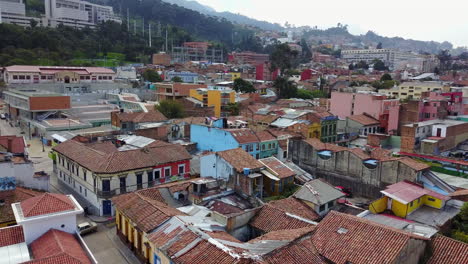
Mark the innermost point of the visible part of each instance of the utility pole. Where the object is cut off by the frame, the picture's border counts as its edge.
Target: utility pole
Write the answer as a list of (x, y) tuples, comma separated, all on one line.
[(149, 37), (128, 20), (166, 39)]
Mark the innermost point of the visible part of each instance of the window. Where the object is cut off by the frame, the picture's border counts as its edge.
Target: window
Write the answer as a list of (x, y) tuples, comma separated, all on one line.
[(269, 145), (263, 147), (251, 147), (123, 184), (167, 172), (431, 199), (330, 204), (50, 77), (88, 77), (100, 77), (15, 77), (150, 178), (84, 174), (411, 204), (124, 126), (139, 177), (274, 145), (157, 173), (82, 77), (322, 208), (285, 154), (80, 189), (182, 169), (43, 77), (85, 192), (21, 77)]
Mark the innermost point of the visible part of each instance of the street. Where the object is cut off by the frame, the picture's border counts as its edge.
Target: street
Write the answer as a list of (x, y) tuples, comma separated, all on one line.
[(105, 245)]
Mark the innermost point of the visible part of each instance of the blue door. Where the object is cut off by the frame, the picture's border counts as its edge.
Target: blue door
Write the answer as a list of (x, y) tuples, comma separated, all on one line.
[(106, 207)]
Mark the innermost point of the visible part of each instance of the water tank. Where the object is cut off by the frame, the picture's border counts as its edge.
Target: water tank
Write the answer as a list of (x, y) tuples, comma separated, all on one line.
[(246, 171)]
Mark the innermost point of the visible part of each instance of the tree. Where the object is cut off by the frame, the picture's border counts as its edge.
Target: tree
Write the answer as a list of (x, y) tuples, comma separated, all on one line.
[(241, 85), (379, 46), (171, 109), (285, 88), (306, 54), (307, 94), (283, 58), (33, 23), (177, 79), (460, 224), (386, 77), (445, 57), (152, 76), (379, 65), (361, 65), (233, 109)]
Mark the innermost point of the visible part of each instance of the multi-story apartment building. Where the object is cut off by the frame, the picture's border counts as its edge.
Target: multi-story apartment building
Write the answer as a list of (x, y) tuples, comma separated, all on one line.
[(217, 96), (14, 12), (376, 105), (95, 172), (174, 90), (394, 59), (412, 90), (247, 57), (23, 74), (77, 13)]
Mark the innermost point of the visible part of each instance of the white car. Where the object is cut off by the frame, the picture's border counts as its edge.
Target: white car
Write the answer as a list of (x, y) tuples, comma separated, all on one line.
[(86, 228)]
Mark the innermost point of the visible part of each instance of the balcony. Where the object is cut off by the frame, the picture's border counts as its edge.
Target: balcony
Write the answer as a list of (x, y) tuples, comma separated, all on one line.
[(105, 194)]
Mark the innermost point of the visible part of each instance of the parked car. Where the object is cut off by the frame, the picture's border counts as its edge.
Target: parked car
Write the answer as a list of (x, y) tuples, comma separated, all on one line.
[(86, 228), (2, 116), (346, 191)]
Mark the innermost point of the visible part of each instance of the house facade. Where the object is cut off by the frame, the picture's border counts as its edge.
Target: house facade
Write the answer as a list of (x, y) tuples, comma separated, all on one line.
[(96, 172)]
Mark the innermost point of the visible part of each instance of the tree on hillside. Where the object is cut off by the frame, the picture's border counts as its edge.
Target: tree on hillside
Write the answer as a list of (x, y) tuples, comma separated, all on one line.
[(233, 109), (306, 54), (460, 224), (386, 77), (177, 79), (379, 46), (379, 65), (171, 109), (445, 57), (361, 65), (283, 58), (152, 76), (241, 85), (285, 88), (307, 94)]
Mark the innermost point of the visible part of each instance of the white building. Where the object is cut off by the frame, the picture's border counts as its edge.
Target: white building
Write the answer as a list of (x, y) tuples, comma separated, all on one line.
[(14, 12), (394, 59), (77, 13)]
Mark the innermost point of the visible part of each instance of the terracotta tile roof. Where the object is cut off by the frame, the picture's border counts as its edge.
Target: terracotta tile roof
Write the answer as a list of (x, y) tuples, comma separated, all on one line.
[(277, 167), (154, 193), (406, 191), (17, 195), (360, 153), (265, 136), (301, 251), (319, 145), (62, 258), (207, 253), (56, 244), (106, 146), (343, 238), (47, 203), (276, 215), (364, 120), (416, 165), (13, 144), (446, 250), (243, 136), (221, 235), (239, 159), (11, 235), (142, 117), (146, 213), (118, 161), (286, 234)]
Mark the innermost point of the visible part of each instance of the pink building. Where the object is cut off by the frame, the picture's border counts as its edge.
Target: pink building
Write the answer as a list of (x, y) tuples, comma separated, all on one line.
[(378, 106)]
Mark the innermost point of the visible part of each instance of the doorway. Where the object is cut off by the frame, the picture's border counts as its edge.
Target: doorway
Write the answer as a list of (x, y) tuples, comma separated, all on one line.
[(67, 79)]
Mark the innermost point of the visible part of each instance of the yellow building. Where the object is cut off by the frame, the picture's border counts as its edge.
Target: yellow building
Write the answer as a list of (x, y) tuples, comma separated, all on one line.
[(405, 197), (315, 130), (412, 90), (235, 75), (214, 96)]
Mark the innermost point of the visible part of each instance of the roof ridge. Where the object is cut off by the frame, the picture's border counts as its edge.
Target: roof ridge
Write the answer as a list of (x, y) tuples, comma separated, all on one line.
[(57, 240), (366, 221)]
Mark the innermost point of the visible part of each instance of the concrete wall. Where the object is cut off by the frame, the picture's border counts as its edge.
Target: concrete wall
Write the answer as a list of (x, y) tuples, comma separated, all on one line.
[(24, 175), (35, 229), (347, 169), (213, 166)]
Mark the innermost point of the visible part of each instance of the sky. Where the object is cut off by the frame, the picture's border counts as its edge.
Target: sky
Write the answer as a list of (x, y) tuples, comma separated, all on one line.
[(436, 20)]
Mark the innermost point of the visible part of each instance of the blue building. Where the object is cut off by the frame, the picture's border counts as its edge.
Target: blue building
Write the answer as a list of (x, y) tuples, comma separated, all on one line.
[(210, 138), (187, 77)]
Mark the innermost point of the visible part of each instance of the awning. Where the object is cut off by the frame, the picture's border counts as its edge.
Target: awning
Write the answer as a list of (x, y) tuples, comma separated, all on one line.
[(59, 138), (269, 175)]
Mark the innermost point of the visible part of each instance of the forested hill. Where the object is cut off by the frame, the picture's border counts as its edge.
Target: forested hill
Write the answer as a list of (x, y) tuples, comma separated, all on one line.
[(200, 26)]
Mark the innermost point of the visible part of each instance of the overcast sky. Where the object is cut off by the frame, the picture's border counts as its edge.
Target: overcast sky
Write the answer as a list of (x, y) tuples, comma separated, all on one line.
[(438, 20)]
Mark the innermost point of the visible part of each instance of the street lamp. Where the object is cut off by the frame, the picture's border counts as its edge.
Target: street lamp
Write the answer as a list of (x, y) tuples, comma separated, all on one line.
[(42, 141)]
